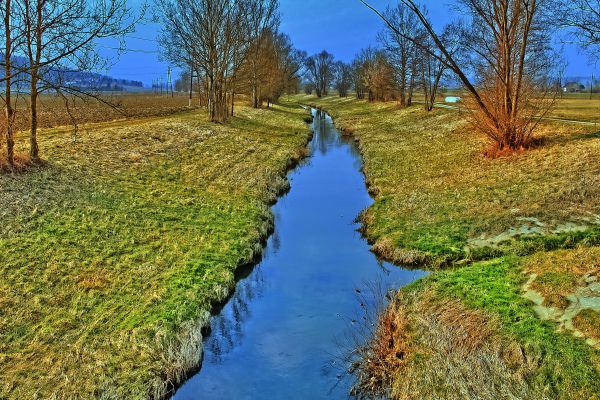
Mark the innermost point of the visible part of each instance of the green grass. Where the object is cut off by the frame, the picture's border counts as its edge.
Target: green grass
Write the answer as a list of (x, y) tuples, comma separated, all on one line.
[(113, 254), (565, 367), (439, 200)]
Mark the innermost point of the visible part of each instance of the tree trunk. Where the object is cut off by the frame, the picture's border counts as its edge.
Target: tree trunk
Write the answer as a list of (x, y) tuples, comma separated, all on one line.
[(191, 86), (10, 113), (410, 91), (34, 151)]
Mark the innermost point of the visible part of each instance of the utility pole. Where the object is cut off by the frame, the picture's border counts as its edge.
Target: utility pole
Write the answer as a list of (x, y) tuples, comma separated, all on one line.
[(161, 93), (168, 83), (592, 87)]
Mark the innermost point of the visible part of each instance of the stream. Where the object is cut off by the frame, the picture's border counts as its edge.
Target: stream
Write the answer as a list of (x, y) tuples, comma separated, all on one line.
[(285, 330)]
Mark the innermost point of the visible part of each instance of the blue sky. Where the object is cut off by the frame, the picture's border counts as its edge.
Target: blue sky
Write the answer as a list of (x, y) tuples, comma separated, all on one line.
[(342, 27)]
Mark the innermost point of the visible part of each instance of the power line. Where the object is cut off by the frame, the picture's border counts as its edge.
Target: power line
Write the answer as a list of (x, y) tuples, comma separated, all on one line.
[(140, 38), (123, 50)]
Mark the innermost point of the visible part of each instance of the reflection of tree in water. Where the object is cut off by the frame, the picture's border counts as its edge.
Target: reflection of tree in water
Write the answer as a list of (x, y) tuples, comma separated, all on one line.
[(227, 327), (275, 243), (328, 137)]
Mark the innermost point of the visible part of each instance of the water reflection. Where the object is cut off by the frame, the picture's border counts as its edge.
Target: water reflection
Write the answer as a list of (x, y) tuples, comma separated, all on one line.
[(227, 327), (281, 334)]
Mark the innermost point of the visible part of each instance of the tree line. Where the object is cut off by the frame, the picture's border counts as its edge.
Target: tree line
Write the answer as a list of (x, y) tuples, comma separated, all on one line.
[(499, 52), (230, 48)]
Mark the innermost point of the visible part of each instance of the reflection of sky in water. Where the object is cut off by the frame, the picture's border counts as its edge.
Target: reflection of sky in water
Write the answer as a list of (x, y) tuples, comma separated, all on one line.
[(279, 335)]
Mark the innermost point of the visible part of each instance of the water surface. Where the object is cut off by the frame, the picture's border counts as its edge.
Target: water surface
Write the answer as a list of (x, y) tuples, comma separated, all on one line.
[(282, 334)]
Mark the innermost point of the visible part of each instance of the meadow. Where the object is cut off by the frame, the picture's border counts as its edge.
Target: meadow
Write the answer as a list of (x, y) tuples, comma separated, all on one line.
[(512, 306), (115, 251)]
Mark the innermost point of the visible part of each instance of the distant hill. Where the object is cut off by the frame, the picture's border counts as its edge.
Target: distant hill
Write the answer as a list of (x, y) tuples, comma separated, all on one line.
[(80, 80)]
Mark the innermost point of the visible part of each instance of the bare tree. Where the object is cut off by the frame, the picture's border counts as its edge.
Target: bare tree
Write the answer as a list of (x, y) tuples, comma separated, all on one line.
[(261, 17), (583, 18), (320, 71), (397, 41), (309, 87), (59, 39), (343, 78), (510, 61), (359, 65), (208, 35), (431, 70), (276, 70), (9, 32), (431, 63), (379, 77)]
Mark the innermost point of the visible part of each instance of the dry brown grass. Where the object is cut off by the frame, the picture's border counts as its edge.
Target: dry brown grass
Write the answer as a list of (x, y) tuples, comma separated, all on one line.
[(560, 273), (425, 348), (385, 355), (578, 106), (588, 322), (22, 163), (53, 113)]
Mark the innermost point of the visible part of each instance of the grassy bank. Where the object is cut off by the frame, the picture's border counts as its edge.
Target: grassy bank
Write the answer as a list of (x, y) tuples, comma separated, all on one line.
[(471, 333), (438, 200), (113, 254), (515, 313)]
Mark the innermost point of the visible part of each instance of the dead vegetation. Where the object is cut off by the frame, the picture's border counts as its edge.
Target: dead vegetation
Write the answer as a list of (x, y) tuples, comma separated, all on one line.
[(588, 322), (559, 274), (428, 348)]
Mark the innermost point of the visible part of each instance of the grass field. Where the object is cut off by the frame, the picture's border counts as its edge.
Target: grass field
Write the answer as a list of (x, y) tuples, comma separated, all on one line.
[(114, 252), (470, 333), (571, 106), (522, 321), (53, 111), (578, 106)]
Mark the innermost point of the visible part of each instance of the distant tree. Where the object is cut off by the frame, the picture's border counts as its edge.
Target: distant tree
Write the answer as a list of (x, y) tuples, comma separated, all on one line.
[(309, 87), (262, 19), (431, 63), (279, 66), (398, 42), (290, 63), (210, 36), (343, 78), (359, 65), (275, 71), (320, 70), (374, 76), (379, 77), (183, 83)]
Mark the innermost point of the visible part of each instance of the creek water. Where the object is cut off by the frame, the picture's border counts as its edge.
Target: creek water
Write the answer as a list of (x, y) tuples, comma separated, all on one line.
[(285, 330)]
